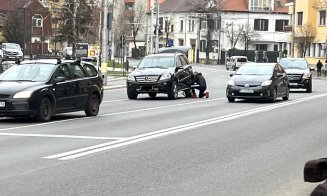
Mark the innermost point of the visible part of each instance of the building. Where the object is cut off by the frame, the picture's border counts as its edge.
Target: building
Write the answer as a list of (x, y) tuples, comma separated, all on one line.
[(266, 19), (310, 32)]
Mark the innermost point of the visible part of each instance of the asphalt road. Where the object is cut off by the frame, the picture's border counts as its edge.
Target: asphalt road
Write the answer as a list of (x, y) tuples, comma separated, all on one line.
[(169, 147)]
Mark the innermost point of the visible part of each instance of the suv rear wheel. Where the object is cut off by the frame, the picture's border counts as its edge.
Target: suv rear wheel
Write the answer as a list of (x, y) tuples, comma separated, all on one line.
[(309, 86)]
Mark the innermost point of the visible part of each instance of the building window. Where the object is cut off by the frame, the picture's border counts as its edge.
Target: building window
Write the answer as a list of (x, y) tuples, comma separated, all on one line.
[(180, 42), (299, 18), (37, 21), (262, 47), (217, 23), (203, 24), (129, 6), (161, 23), (182, 26), (191, 25), (203, 45), (261, 24), (322, 17), (275, 47), (260, 5), (280, 25)]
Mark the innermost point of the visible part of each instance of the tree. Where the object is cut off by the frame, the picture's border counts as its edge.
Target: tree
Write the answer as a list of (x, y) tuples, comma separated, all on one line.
[(2, 38), (320, 4), (234, 34), (304, 36), (210, 13), (14, 27), (248, 35), (136, 19), (169, 21)]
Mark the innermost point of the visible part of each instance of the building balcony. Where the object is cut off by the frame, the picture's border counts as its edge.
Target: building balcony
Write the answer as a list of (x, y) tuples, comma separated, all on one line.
[(288, 28)]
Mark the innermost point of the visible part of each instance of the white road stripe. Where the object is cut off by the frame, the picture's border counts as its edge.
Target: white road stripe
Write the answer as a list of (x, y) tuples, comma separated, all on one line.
[(112, 114), (155, 134), (61, 136), (114, 101)]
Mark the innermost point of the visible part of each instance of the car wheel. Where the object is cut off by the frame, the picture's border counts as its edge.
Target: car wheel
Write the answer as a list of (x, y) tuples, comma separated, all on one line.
[(173, 94), (231, 99), (227, 68), (309, 87), (44, 112), (93, 106), (287, 94), (152, 95), (234, 67), (274, 95), (131, 95)]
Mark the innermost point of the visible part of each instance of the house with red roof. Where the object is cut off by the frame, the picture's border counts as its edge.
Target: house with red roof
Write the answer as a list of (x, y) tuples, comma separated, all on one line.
[(266, 19)]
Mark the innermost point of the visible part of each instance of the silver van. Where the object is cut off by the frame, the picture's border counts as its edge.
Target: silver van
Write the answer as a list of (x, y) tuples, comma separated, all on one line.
[(235, 62)]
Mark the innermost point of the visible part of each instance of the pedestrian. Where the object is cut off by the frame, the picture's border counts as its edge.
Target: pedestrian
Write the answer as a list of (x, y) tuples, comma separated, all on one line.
[(200, 84), (127, 65), (319, 66), (325, 71)]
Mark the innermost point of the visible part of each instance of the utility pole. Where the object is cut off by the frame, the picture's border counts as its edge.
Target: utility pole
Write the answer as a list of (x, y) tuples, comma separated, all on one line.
[(198, 41), (151, 27), (293, 30), (157, 27), (104, 44), (74, 29)]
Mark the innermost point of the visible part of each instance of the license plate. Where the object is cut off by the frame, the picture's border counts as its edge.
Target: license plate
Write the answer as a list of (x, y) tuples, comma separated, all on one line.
[(2, 104), (293, 84), (246, 91)]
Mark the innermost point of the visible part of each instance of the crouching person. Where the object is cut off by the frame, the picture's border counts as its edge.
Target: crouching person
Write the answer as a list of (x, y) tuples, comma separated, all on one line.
[(200, 84)]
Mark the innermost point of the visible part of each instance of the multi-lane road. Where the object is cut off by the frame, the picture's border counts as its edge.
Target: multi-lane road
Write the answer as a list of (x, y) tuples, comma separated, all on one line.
[(169, 147)]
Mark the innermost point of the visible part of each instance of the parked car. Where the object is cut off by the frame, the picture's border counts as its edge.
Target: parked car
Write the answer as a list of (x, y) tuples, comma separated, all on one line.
[(235, 62), (166, 73), (67, 52), (298, 72), (42, 88), (11, 51), (258, 81)]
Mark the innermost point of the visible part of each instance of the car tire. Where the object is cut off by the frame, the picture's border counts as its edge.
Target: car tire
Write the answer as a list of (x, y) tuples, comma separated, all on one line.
[(173, 93), (131, 95), (93, 106), (274, 95), (287, 94), (152, 95), (231, 99), (227, 68), (45, 110), (309, 86)]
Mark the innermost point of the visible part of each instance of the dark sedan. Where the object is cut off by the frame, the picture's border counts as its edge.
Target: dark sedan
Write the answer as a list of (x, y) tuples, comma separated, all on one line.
[(258, 81), (41, 88), (161, 73)]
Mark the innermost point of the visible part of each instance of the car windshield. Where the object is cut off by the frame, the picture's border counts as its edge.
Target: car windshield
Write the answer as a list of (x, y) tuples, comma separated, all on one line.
[(254, 70), (294, 64), (28, 72), (11, 46), (157, 62), (241, 60)]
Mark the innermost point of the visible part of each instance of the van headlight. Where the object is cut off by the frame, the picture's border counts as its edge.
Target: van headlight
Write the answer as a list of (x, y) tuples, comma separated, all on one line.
[(131, 78), (231, 82), (306, 76), (266, 83), (165, 77), (23, 95)]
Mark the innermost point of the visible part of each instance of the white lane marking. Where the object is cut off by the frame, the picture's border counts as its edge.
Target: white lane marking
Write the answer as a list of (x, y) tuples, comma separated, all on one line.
[(114, 101), (62, 136), (164, 132), (111, 114)]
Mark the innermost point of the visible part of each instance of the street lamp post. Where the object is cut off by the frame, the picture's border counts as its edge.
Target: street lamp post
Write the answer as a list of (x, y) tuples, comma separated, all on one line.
[(104, 44)]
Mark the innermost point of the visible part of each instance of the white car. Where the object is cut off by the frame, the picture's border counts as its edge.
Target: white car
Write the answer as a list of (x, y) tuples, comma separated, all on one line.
[(67, 52), (235, 62), (11, 51)]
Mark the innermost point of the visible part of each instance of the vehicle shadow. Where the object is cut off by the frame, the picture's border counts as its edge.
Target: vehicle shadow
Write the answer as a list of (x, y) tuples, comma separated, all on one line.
[(240, 101), (31, 120)]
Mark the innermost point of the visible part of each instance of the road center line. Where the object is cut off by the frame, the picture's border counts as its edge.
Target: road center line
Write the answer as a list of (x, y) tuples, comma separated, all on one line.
[(113, 114), (164, 132), (61, 136)]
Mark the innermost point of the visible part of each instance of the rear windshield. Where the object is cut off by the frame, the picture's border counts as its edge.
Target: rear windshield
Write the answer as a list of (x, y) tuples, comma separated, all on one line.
[(294, 64), (157, 62), (242, 60)]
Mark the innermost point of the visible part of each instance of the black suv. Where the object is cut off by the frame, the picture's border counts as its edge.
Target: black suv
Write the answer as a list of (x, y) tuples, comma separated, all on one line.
[(298, 72), (161, 73)]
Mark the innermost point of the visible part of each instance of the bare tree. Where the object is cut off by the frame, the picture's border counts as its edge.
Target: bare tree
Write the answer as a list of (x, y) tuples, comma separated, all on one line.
[(320, 4), (304, 36), (169, 21), (2, 38), (121, 26), (210, 10), (136, 19), (248, 36), (234, 34)]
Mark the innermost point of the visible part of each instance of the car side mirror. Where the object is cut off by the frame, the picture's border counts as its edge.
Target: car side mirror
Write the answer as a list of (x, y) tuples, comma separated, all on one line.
[(312, 69), (59, 79)]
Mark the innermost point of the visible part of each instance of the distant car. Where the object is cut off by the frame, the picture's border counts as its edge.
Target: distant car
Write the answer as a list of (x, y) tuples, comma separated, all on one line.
[(258, 81), (11, 51), (67, 52), (166, 73), (298, 72), (235, 62), (42, 88)]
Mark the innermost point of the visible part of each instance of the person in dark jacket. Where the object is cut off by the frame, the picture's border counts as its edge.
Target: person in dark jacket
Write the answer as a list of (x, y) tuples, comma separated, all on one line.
[(319, 66), (200, 84)]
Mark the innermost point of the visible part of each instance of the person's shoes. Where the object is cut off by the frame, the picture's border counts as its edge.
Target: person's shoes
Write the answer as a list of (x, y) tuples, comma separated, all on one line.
[(206, 94)]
